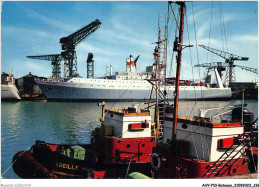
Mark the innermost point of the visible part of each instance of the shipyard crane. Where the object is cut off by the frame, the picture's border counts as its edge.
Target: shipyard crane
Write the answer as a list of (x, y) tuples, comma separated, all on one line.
[(213, 65), (230, 58), (69, 43), (55, 62), (248, 69), (220, 67)]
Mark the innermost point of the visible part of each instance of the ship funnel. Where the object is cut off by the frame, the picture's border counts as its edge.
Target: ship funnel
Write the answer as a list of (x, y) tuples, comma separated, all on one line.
[(107, 70), (127, 65), (132, 64), (110, 69)]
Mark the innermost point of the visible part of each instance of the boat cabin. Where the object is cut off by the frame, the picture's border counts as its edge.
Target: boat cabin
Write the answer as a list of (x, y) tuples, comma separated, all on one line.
[(127, 123), (207, 140), (124, 136)]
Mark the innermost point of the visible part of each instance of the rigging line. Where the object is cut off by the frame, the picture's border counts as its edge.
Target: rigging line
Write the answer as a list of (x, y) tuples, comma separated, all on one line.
[(202, 146), (196, 151), (222, 109), (192, 68), (120, 97), (210, 30), (174, 16), (254, 163), (221, 30), (168, 31), (191, 134), (195, 36), (223, 21), (176, 30), (207, 142), (195, 32)]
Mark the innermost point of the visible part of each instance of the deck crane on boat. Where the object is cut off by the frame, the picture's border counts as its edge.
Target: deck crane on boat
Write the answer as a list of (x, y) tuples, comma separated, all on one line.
[(55, 62), (230, 58), (69, 43)]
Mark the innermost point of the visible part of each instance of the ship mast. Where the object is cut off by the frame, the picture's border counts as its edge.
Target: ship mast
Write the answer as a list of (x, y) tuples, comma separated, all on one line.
[(178, 45)]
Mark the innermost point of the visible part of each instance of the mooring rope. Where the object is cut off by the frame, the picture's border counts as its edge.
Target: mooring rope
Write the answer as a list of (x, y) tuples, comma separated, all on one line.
[(15, 161)]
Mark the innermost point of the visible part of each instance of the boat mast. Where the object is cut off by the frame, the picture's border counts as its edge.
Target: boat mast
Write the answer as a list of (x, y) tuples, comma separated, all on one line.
[(178, 41)]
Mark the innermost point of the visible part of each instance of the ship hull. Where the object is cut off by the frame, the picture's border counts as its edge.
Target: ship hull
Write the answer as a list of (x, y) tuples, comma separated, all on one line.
[(98, 89), (9, 92)]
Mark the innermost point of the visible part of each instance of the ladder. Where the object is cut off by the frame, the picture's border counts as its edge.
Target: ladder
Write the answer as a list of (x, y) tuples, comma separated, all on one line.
[(162, 107), (162, 47), (162, 102), (226, 161), (162, 55), (161, 59)]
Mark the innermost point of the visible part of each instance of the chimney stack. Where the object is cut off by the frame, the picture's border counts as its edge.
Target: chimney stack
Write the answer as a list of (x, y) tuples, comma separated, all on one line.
[(110, 69)]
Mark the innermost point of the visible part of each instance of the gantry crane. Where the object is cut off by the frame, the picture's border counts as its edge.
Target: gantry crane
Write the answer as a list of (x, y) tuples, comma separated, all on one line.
[(69, 43), (217, 65), (248, 69), (220, 67), (230, 58), (55, 62)]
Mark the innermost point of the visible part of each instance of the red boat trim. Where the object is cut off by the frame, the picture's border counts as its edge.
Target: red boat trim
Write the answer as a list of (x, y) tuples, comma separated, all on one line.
[(138, 126), (225, 143), (220, 125), (205, 122)]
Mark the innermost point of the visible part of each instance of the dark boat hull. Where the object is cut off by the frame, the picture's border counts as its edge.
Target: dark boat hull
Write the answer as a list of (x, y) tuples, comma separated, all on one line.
[(26, 166), (45, 161)]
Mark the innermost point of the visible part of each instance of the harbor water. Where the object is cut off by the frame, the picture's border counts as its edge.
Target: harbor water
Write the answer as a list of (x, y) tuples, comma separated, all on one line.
[(24, 122)]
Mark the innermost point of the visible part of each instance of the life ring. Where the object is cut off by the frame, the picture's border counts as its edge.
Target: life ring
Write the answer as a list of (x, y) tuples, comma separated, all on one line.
[(155, 161)]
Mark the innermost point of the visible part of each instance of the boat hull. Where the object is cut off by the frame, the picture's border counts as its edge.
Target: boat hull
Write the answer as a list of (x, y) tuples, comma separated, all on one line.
[(42, 161), (174, 166), (9, 92), (26, 166), (118, 91)]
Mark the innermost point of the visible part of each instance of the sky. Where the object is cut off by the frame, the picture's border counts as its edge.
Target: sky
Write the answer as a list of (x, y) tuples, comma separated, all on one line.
[(35, 28)]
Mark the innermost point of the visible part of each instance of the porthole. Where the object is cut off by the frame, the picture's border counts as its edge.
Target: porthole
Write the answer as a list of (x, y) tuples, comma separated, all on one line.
[(184, 126), (111, 115)]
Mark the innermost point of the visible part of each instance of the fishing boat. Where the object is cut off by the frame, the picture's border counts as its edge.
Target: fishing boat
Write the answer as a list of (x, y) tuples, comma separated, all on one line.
[(201, 147), (124, 140), (8, 88)]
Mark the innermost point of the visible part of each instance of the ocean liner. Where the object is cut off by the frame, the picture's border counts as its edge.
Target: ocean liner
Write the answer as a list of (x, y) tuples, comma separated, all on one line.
[(130, 85)]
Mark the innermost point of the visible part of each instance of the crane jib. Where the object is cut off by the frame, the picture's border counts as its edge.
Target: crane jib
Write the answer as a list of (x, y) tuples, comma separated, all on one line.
[(76, 37)]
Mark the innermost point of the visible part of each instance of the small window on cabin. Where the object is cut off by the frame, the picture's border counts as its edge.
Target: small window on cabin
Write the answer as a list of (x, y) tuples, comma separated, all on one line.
[(111, 115), (128, 146), (184, 126)]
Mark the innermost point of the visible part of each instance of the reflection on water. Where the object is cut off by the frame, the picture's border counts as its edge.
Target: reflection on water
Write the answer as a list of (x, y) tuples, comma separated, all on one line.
[(22, 123)]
